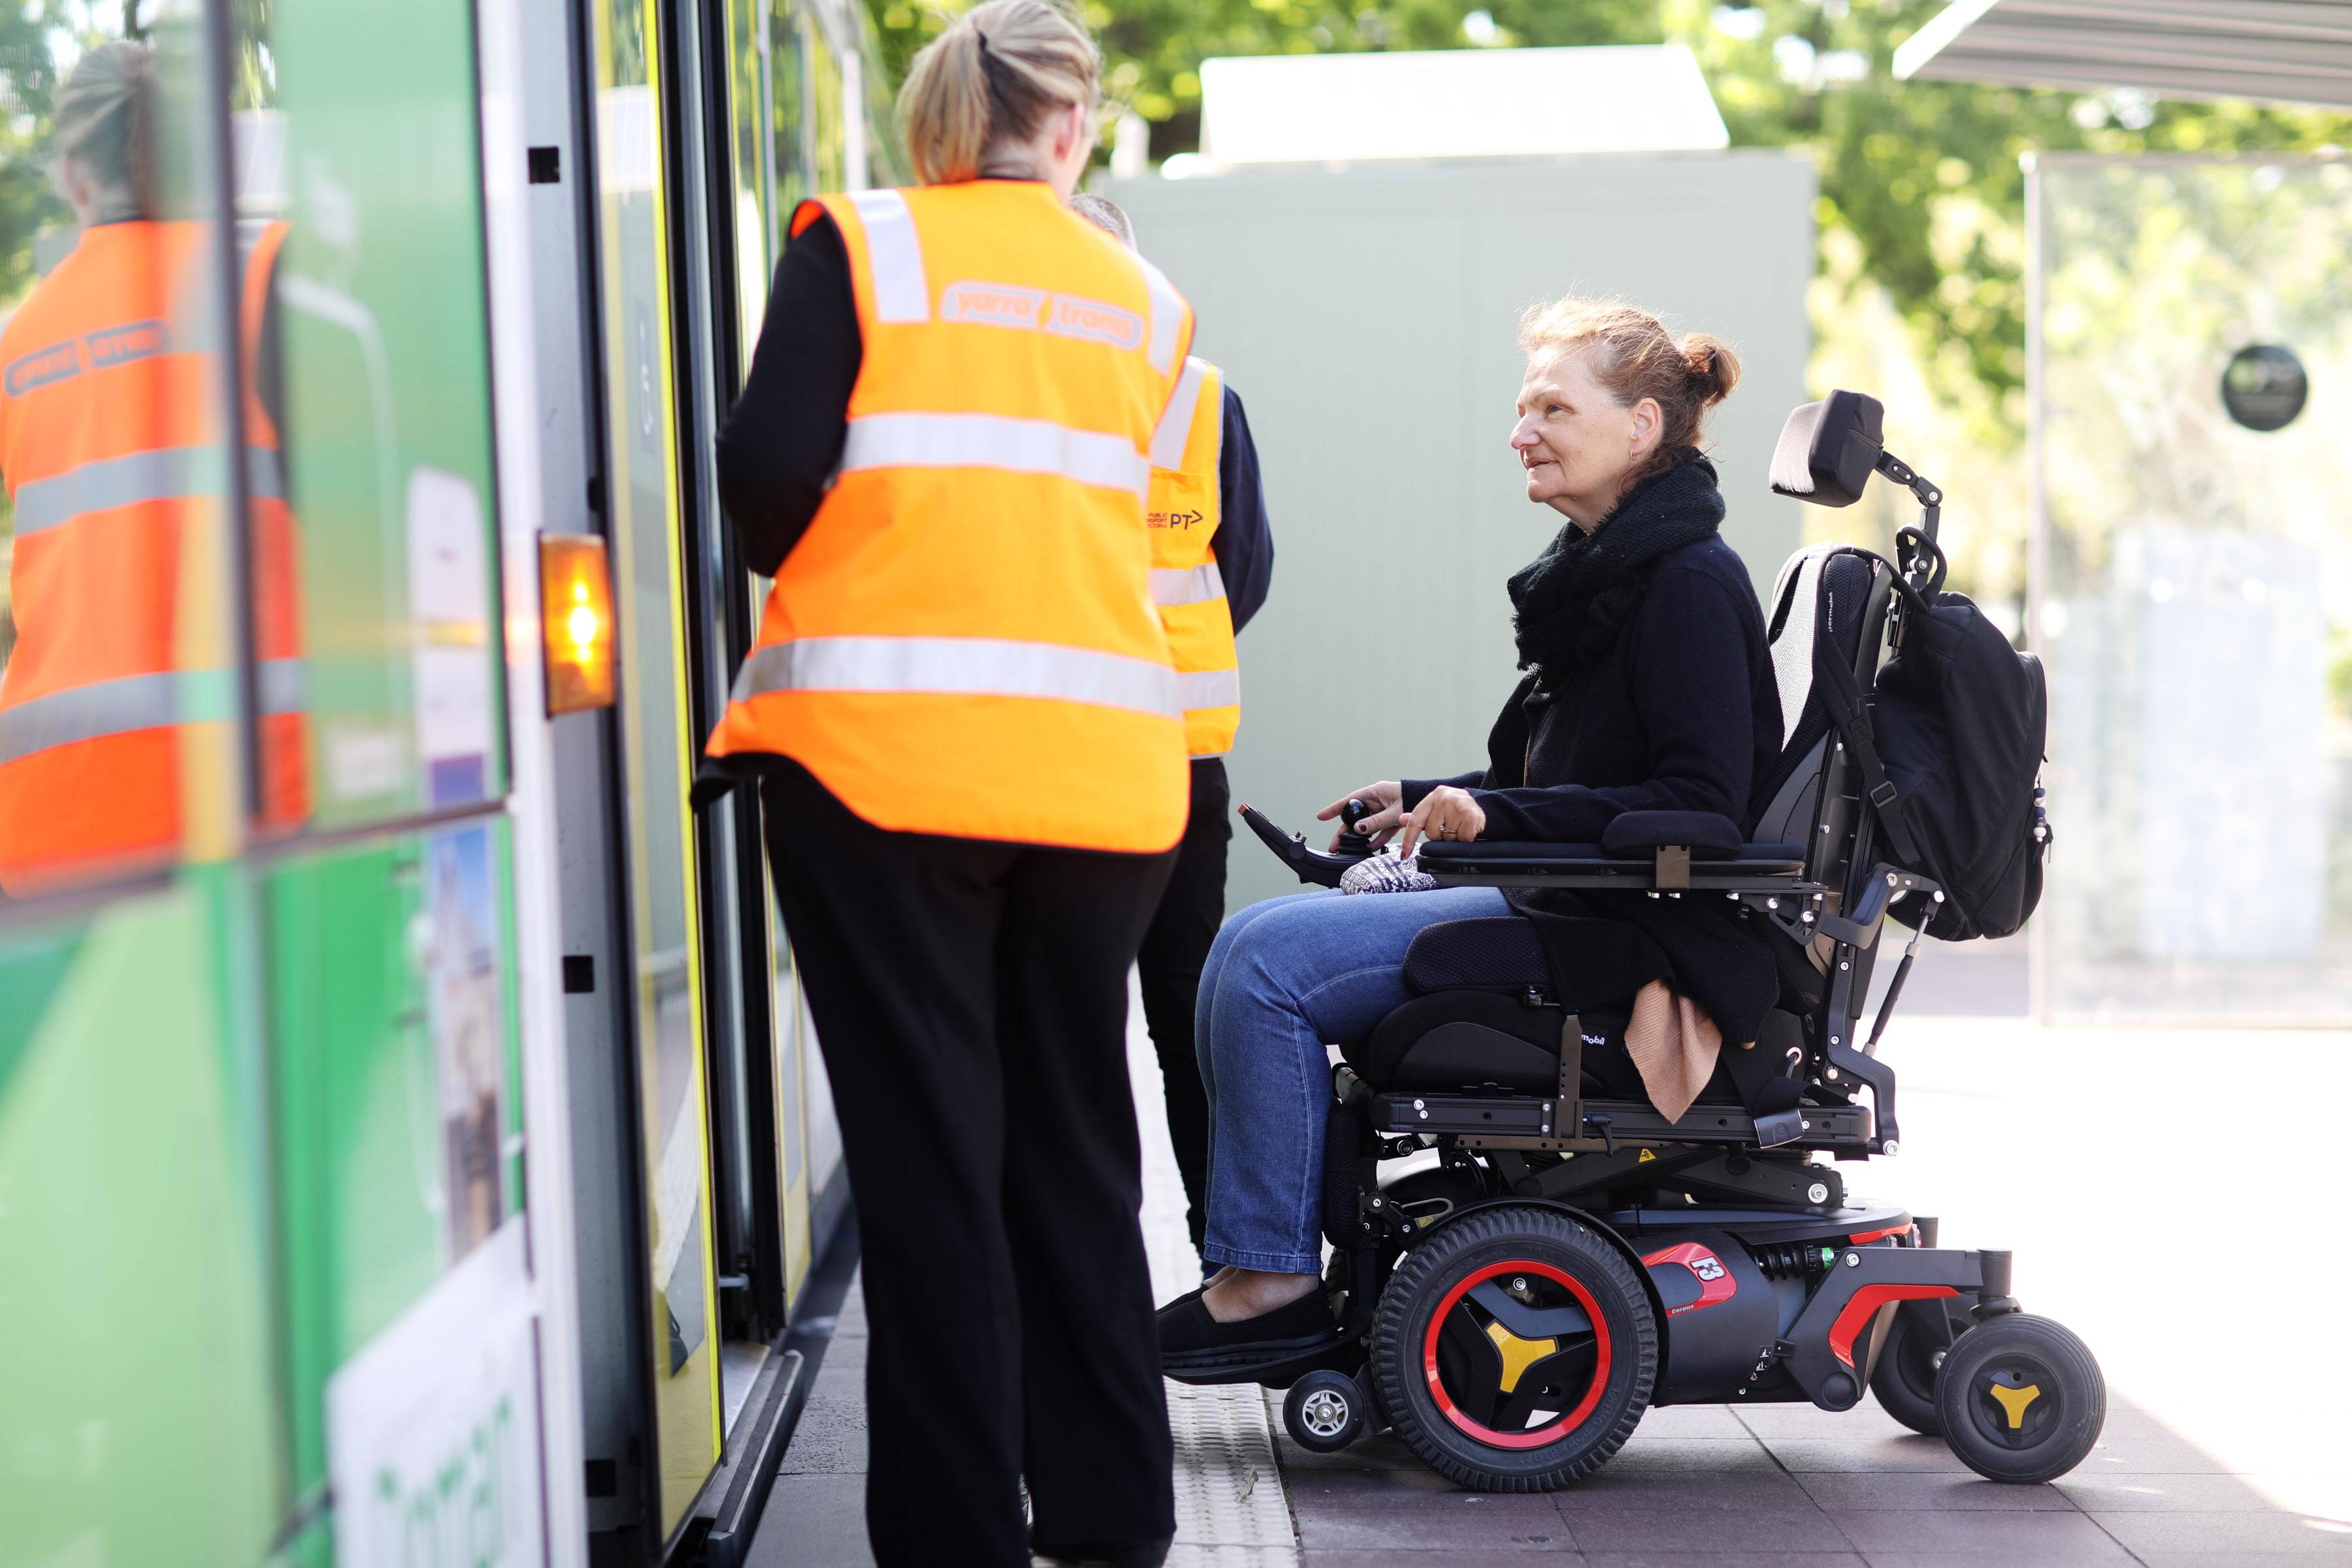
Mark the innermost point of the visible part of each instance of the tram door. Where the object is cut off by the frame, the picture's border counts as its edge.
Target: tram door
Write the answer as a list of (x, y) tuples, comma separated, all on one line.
[(640, 497), (797, 115)]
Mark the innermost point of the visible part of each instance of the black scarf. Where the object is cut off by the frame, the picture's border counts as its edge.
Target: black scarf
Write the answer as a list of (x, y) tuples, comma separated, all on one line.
[(1570, 602)]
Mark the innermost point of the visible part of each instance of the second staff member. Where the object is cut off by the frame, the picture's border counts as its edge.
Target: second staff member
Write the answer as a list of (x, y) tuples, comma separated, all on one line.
[(1212, 563)]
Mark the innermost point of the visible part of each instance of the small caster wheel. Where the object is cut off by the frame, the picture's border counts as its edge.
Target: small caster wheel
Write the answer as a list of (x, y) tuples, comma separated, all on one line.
[(1325, 1411), (1905, 1379), (2021, 1399)]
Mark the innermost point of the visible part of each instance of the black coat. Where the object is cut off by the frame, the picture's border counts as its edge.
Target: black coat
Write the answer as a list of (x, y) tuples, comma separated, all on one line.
[(1681, 713)]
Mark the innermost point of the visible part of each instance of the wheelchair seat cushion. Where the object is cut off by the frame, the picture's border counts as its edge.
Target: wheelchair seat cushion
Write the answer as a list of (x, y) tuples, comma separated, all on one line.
[(1495, 953), (1457, 1040)]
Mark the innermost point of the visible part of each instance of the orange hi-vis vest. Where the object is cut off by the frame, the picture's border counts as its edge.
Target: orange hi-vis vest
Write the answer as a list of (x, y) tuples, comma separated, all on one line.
[(1183, 512), (110, 448), (964, 641)]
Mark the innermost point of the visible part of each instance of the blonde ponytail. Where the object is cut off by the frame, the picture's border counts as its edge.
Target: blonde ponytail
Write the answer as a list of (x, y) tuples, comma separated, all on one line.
[(992, 76), (103, 123)]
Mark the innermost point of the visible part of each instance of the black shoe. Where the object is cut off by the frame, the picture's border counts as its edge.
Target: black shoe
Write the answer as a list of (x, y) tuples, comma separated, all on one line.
[(1148, 1553), (1192, 1340)]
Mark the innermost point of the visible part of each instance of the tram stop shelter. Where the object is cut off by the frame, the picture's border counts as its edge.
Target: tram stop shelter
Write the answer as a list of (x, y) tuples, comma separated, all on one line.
[(2191, 577)]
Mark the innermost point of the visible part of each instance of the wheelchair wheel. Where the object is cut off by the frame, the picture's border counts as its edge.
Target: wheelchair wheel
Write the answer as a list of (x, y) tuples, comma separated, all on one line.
[(1325, 1411), (2021, 1399), (1905, 1378), (1514, 1350)]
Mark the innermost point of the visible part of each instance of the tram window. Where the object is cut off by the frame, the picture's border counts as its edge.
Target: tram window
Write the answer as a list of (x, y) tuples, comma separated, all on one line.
[(375, 577), (120, 741)]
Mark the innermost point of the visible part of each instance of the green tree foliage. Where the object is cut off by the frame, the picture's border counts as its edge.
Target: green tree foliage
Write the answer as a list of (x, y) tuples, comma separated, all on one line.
[(32, 40), (1920, 180)]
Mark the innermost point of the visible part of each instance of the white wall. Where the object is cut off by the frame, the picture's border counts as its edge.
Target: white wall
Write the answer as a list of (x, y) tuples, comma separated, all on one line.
[(1368, 320)]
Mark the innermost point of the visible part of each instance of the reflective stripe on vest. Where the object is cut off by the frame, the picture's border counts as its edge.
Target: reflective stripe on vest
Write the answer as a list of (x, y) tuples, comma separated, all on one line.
[(963, 641), (902, 289), (986, 441), (1182, 515), (971, 666), (134, 702), (169, 473), (1175, 431), (1210, 689), (1173, 586)]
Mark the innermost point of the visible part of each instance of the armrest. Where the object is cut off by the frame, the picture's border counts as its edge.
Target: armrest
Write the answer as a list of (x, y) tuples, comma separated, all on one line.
[(1708, 835), (1761, 868)]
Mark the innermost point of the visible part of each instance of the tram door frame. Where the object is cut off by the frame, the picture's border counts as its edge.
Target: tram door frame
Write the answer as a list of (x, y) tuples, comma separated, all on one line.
[(712, 615)]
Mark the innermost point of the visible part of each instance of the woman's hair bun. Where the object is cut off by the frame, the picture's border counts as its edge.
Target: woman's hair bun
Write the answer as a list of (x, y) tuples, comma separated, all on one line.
[(1633, 357), (1712, 364)]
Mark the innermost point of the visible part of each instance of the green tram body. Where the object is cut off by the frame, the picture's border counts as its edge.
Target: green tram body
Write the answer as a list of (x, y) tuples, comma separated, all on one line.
[(365, 1187)]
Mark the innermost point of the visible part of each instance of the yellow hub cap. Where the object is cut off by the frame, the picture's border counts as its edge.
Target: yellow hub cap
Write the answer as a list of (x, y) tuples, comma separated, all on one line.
[(2013, 1400), (1518, 1354)]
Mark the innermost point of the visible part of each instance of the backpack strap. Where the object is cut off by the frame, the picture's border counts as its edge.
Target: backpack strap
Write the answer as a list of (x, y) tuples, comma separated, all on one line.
[(1842, 700)]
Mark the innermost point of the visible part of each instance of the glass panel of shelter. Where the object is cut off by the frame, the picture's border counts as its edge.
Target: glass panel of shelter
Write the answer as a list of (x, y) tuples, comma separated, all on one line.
[(2194, 584)]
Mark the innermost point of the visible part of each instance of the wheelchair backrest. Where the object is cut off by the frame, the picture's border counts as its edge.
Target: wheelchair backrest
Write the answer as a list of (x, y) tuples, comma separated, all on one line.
[(1828, 597)]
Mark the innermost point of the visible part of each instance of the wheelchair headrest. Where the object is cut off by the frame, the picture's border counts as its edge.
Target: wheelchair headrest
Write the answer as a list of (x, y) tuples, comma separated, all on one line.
[(1829, 450)]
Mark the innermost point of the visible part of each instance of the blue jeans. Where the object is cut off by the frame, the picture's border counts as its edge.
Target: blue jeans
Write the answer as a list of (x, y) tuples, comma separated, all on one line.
[(1286, 976)]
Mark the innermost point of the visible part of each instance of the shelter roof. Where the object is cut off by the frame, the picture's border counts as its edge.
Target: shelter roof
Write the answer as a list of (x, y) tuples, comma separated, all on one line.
[(2292, 51)]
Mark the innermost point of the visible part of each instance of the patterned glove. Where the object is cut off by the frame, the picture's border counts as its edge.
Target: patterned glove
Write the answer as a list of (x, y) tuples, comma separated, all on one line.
[(1386, 874)]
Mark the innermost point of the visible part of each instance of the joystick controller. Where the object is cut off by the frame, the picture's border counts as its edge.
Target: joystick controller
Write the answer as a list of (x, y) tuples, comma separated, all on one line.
[(1314, 866)]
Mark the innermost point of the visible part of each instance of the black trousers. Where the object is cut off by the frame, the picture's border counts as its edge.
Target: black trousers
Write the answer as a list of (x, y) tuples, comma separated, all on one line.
[(970, 1001), (1173, 951)]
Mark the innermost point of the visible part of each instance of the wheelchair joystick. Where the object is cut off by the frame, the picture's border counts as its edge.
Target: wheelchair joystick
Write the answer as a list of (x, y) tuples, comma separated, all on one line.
[(1314, 866)]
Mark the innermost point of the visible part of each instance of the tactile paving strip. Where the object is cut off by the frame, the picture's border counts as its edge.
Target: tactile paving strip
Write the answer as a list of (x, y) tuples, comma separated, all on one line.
[(1231, 1509)]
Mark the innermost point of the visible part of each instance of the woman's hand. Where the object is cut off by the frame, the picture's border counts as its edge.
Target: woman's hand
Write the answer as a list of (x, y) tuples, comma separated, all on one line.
[(1447, 814), (1386, 800)]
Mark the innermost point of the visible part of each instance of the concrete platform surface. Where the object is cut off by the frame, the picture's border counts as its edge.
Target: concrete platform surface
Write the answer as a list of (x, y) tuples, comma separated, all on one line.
[(2201, 1261)]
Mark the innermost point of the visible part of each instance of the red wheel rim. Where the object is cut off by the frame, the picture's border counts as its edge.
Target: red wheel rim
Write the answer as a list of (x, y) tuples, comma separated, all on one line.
[(1553, 1431)]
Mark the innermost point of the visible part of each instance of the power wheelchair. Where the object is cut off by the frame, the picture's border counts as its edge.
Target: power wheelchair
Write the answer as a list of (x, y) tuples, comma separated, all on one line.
[(1527, 1255)]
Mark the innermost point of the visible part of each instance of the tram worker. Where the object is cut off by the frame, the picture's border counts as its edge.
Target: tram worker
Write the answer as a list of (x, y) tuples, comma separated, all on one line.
[(112, 450), (1211, 563), (970, 746)]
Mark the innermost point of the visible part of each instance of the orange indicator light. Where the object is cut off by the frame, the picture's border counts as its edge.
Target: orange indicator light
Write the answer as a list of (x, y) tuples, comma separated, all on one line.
[(575, 622)]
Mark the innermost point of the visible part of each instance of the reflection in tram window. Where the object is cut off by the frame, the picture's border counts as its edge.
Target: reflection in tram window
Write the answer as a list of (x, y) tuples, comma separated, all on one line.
[(118, 748), (385, 366)]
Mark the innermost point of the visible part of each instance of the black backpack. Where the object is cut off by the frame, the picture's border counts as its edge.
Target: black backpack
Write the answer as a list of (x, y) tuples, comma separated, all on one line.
[(1950, 745)]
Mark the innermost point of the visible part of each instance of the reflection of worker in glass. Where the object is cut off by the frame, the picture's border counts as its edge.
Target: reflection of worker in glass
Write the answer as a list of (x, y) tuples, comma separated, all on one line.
[(112, 449), (1211, 562)]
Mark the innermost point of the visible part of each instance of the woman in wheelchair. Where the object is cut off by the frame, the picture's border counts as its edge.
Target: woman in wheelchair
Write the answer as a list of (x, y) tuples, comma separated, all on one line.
[(1648, 686)]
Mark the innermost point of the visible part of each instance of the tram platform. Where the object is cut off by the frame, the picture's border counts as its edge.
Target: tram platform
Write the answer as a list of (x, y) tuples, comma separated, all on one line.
[(2226, 1442)]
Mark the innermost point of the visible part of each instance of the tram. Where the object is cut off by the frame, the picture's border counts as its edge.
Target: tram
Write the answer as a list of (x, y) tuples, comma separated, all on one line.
[(413, 1148)]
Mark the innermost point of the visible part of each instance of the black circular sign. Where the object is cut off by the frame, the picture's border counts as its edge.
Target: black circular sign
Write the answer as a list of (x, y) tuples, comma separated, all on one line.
[(2264, 386)]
